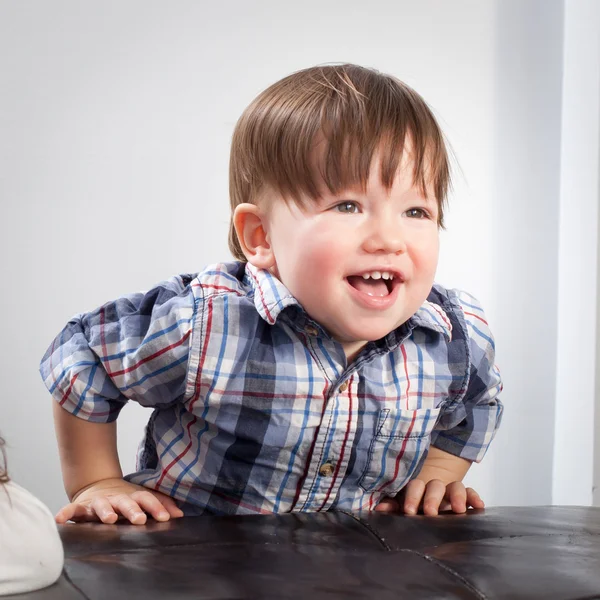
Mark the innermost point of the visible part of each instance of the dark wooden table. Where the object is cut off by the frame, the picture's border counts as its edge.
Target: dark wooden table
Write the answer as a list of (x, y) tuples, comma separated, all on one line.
[(508, 553)]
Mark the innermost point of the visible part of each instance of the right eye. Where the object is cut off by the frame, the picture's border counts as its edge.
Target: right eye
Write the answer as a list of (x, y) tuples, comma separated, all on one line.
[(347, 207)]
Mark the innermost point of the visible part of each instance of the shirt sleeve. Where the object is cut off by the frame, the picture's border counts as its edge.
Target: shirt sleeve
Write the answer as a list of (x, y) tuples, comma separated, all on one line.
[(134, 348), (469, 425)]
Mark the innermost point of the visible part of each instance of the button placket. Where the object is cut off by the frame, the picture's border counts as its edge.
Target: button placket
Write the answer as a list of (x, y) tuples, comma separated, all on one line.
[(326, 469), (311, 330), (320, 490)]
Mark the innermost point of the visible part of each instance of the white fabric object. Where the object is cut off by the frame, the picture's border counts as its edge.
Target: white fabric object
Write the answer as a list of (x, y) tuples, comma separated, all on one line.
[(31, 552)]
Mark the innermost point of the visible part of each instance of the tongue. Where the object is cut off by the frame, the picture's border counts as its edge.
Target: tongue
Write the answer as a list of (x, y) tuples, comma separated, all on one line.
[(371, 287)]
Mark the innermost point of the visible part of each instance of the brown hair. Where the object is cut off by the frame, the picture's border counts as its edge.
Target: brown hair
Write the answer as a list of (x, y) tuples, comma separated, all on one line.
[(3, 473), (356, 112)]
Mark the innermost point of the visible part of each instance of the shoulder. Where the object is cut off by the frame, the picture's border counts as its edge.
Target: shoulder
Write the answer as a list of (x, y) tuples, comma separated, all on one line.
[(163, 299), (467, 318), (453, 299), (221, 279), (175, 297), (458, 303)]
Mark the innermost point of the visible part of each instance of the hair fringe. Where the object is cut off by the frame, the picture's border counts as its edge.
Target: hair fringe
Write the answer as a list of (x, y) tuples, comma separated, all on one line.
[(4, 478)]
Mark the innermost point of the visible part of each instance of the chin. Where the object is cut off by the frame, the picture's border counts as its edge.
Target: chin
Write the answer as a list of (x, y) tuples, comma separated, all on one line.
[(370, 335)]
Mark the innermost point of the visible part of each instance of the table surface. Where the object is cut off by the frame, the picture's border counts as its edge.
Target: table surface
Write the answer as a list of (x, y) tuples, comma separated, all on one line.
[(550, 552)]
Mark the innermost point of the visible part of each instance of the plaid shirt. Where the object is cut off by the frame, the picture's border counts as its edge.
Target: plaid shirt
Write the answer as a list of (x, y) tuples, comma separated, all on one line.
[(255, 409)]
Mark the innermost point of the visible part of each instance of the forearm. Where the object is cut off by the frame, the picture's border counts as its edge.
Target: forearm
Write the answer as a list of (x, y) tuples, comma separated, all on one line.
[(443, 466), (88, 451)]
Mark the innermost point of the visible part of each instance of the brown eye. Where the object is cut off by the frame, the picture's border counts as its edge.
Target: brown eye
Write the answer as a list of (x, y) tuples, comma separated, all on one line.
[(347, 207), (416, 213)]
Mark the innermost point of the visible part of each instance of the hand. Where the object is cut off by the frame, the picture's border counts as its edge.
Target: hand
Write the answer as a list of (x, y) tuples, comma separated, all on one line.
[(432, 497), (108, 499)]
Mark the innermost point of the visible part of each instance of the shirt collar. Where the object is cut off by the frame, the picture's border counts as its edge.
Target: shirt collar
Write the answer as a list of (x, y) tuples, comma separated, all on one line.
[(271, 297), (433, 316)]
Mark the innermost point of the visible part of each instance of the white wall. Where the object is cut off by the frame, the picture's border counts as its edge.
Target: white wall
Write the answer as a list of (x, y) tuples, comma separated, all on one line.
[(528, 72), (578, 256), (116, 118)]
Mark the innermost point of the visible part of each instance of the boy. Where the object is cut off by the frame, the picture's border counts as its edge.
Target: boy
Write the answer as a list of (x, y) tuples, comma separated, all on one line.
[(321, 370)]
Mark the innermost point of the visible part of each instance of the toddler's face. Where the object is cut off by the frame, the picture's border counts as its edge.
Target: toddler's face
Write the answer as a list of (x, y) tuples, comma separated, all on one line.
[(359, 264)]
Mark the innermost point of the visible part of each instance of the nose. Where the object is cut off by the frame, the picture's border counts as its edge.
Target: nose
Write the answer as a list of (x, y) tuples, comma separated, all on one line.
[(384, 236)]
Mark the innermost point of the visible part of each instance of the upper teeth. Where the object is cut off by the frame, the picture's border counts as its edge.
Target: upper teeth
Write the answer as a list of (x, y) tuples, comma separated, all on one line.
[(378, 275)]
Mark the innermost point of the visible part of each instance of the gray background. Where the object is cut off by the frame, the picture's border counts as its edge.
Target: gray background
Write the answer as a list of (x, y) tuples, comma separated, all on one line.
[(115, 123)]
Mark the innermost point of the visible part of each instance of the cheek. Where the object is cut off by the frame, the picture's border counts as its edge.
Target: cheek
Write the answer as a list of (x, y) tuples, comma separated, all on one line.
[(304, 256), (319, 260), (321, 247), (425, 255)]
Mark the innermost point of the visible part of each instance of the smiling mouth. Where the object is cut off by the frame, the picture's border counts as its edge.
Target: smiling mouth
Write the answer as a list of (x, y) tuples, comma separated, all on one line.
[(377, 287)]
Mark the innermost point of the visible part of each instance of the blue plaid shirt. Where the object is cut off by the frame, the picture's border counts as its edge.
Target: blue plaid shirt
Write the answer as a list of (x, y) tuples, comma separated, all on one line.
[(255, 408)]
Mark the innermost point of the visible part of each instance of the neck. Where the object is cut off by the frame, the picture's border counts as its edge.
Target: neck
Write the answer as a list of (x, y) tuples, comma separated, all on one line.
[(352, 349)]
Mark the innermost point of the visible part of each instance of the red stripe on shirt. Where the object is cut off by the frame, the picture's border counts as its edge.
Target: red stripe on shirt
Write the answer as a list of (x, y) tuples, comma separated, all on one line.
[(267, 395), (312, 449), (222, 288), (403, 448), (239, 393), (230, 499), (178, 458), (51, 365), (88, 413), (401, 453), (442, 314), (262, 298), (67, 393), (403, 350), (196, 394), (476, 316), (343, 450), (152, 356), (204, 352), (103, 341)]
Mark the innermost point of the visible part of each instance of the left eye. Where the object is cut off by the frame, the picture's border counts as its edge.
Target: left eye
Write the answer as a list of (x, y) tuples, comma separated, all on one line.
[(347, 207), (416, 213)]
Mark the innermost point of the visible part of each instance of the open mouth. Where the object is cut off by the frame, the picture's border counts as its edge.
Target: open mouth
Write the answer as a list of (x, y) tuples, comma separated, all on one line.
[(374, 283)]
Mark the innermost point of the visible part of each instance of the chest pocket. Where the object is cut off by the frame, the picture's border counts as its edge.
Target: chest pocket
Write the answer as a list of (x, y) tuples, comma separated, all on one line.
[(400, 441)]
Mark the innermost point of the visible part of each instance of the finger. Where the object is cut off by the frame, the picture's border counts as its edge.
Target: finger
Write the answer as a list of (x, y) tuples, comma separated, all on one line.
[(102, 507), (152, 505), (412, 496), (434, 494), (75, 512), (124, 505), (170, 504), (474, 499), (388, 505), (456, 494)]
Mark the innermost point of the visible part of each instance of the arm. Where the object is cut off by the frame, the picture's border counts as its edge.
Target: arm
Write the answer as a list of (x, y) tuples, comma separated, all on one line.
[(463, 432), (93, 477), (87, 450), (438, 486), (133, 348), (443, 466)]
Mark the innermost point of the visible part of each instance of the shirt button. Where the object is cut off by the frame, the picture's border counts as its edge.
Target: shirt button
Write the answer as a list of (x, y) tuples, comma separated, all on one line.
[(343, 387), (310, 330), (326, 469)]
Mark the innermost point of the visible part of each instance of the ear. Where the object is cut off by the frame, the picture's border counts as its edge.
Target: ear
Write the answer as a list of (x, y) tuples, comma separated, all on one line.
[(250, 225)]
